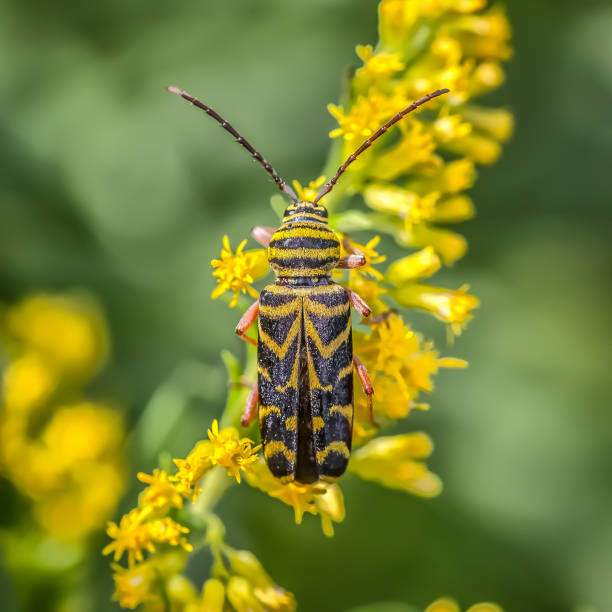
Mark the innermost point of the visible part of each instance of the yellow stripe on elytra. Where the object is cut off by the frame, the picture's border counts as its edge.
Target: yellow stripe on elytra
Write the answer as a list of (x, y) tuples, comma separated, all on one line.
[(280, 350), (293, 379), (291, 423), (262, 370), (275, 447), (318, 423), (335, 447), (326, 350), (282, 310), (313, 378), (265, 411), (345, 411), (322, 310), (302, 253), (345, 371)]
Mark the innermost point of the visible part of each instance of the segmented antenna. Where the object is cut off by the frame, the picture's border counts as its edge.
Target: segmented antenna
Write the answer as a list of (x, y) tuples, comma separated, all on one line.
[(239, 139), (329, 186)]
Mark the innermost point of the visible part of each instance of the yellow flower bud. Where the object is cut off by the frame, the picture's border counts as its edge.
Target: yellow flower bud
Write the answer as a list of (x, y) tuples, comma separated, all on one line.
[(213, 596), (422, 264), (241, 595)]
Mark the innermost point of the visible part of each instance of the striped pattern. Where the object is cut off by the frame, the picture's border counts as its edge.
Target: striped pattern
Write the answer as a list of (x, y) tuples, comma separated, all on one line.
[(305, 383), (304, 246)]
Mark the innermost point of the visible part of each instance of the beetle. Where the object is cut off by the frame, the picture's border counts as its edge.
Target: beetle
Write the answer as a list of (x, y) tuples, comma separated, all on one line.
[(305, 358)]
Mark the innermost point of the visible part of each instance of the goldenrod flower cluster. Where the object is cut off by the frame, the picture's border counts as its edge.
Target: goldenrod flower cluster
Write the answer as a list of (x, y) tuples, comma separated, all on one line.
[(413, 183), (157, 529), (61, 449)]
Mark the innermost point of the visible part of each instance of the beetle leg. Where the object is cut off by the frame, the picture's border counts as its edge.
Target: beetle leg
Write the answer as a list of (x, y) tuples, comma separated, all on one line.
[(263, 234), (355, 259), (247, 319), (366, 384), (358, 304), (381, 318), (352, 261), (251, 406)]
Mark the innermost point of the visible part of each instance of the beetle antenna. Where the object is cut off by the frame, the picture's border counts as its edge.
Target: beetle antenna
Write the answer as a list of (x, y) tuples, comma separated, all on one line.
[(239, 139), (329, 186)]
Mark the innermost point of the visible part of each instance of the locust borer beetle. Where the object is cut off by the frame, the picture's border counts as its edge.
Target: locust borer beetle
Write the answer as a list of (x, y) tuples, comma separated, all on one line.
[(305, 355)]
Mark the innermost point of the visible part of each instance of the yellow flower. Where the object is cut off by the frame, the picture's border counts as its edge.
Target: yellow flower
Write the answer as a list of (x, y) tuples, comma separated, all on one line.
[(168, 531), (160, 495), (393, 351), (415, 152), (191, 469), (393, 461), (132, 535), (236, 271), (407, 205), (371, 256), (268, 594), (376, 66), (323, 499), (213, 596), (241, 595), (28, 382), (367, 114), (230, 451), (133, 585), (68, 330), (421, 264), (451, 306), (308, 194)]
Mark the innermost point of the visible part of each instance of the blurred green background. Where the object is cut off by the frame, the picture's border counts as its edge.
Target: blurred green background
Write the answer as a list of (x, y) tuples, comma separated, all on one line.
[(111, 184)]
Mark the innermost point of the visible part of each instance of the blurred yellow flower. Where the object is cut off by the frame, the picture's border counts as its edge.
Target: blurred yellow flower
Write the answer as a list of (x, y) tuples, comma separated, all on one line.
[(236, 272), (309, 193), (393, 461), (28, 382), (449, 605), (131, 535), (68, 330), (134, 585)]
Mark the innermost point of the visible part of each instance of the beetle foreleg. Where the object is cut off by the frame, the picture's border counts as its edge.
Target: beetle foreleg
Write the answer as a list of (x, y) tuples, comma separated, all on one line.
[(263, 234), (247, 319), (358, 304), (251, 406), (366, 384), (352, 261)]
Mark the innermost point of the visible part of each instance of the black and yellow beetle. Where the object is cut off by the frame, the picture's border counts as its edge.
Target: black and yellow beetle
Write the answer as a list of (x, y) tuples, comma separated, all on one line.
[(304, 349)]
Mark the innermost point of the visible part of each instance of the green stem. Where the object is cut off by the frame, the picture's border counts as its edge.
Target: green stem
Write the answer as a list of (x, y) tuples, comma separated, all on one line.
[(214, 485)]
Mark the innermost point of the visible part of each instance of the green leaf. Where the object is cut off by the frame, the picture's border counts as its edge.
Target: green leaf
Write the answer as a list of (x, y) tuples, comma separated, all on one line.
[(278, 204)]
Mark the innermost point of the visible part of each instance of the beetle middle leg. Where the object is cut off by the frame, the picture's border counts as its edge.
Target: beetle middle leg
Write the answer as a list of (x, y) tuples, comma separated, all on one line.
[(247, 319), (366, 384), (358, 303)]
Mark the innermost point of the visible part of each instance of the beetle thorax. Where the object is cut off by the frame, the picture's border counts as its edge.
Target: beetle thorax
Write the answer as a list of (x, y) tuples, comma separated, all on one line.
[(304, 246)]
